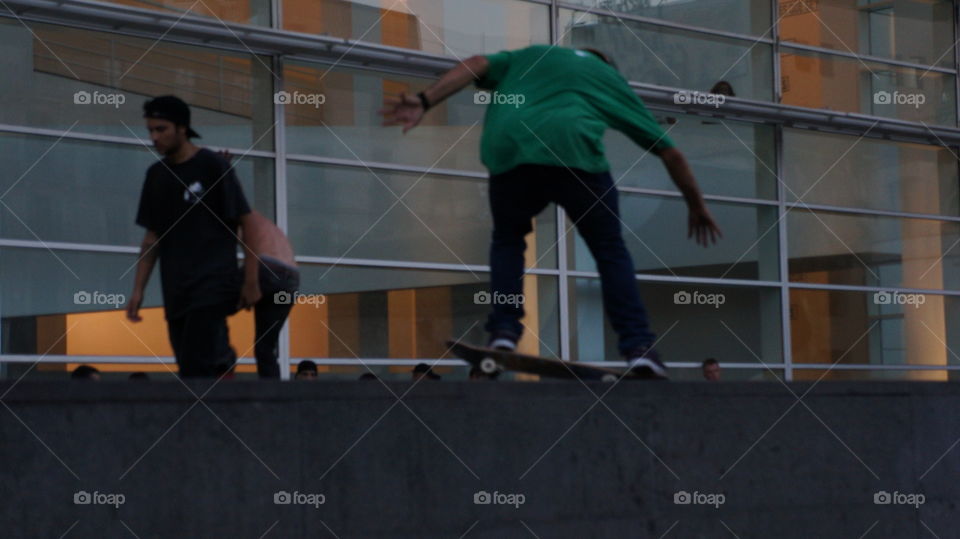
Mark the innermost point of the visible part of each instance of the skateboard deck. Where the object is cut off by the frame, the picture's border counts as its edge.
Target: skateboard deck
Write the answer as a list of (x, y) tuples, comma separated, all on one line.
[(490, 361)]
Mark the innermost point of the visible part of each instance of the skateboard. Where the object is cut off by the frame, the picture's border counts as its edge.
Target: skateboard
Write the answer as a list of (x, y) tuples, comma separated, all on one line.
[(490, 361)]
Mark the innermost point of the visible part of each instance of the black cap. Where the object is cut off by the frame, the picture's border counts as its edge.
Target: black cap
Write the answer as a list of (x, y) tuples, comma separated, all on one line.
[(172, 108)]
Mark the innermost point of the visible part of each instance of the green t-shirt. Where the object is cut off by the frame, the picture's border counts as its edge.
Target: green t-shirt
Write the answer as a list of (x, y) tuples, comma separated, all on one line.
[(551, 106)]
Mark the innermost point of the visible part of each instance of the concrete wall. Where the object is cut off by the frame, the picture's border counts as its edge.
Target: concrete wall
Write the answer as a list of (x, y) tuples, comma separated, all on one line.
[(411, 469)]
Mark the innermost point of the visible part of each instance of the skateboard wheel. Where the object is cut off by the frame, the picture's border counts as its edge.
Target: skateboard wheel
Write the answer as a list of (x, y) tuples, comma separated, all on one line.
[(608, 378), (488, 365)]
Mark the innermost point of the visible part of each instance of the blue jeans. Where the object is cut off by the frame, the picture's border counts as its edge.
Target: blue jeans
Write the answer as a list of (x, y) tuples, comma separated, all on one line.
[(275, 276), (591, 201)]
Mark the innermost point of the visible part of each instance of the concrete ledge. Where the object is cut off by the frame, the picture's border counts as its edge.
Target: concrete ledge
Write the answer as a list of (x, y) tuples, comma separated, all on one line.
[(411, 468)]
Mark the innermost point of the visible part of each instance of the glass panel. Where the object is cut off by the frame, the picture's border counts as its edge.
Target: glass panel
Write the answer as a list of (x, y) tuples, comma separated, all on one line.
[(918, 31), (100, 81), (96, 200), (346, 125), (874, 328), (836, 248), (728, 158), (680, 59), (837, 83), (840, 170), (406, 314), (59, 302), (353, 213), (459, 28), (723, 322), (242, 11), (72, 303), (740, 16), (655, 230)]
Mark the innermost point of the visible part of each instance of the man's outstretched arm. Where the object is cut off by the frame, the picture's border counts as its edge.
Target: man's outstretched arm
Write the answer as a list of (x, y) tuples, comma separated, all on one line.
[(407, 110), (700, 221)]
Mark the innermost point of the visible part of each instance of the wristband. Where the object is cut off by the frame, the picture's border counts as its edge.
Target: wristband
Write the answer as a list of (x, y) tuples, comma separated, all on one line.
[(423, 101)]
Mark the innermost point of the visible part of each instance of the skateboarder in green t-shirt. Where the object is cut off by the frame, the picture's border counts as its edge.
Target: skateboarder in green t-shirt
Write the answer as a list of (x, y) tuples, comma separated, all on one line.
[(543, 142)]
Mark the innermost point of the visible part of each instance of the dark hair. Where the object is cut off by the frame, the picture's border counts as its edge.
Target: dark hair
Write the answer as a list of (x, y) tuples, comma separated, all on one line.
[(306, 366), (424, 369), (84, 372), (368, 376), (723, 87), (139, 375), (709, 361)]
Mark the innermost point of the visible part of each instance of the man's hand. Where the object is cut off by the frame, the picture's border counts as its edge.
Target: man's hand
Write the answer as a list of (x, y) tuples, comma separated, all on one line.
[(226, 155), (250, 295), (133, 306), (406, 110), (701, 223)]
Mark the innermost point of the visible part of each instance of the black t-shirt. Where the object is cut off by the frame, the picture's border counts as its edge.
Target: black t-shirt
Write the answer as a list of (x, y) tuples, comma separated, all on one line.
[(194, 208)]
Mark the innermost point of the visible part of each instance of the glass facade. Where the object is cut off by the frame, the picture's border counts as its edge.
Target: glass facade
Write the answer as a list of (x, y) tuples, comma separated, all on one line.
[(839, 253)]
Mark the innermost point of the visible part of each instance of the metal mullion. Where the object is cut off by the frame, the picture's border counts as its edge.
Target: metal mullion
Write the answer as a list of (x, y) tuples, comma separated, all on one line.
[(872, 213), (683, 280), (403, 265), (563, 280), (715, 198), (868, 289), (281, 210), (775, 28), (786, 335)]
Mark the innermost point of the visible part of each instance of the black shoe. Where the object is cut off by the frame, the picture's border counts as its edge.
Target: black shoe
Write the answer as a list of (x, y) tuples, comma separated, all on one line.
[(501, 340), (646, 363)]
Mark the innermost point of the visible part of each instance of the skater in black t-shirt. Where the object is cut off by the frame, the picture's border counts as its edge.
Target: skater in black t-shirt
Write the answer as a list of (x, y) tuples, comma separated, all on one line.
[(192, 205)]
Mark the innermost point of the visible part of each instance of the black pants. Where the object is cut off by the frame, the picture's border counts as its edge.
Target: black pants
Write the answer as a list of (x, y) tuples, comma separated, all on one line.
[(278, 284), (201, 341), (591, 201)]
